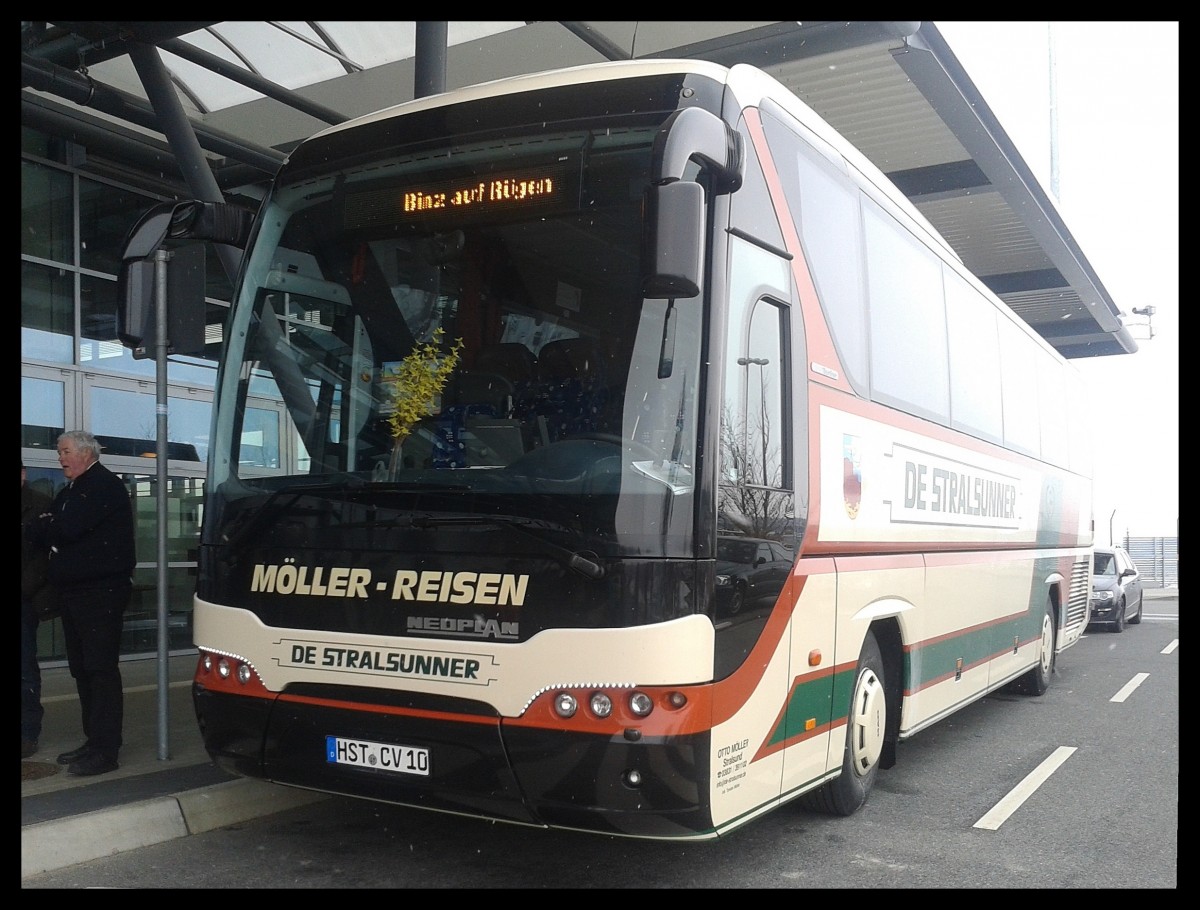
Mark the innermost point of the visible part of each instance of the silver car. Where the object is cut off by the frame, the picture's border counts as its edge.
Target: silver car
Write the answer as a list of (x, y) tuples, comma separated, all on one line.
[(1116, 589)]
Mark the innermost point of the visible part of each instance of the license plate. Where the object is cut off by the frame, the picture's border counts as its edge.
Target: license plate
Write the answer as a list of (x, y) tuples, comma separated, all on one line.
[(381, 756)]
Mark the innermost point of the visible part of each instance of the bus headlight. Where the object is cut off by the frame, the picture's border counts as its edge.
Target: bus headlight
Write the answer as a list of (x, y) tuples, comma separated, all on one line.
[(565, 704), (640, 704), (601, 704)]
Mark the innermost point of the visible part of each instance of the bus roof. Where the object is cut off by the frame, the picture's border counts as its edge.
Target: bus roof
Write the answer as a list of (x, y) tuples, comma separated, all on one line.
[(531, 82)]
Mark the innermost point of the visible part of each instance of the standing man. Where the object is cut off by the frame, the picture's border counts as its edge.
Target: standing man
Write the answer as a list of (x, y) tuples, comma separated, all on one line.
[(89, 531), (33, 590)]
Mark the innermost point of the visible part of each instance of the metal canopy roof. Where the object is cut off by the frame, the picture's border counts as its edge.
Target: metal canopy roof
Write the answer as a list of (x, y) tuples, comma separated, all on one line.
[(250, 91)]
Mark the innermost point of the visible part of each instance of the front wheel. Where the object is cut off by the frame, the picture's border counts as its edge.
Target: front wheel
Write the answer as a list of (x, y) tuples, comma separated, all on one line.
[(1037, 680), (866, 725), (1136, 618), (1119, 618)]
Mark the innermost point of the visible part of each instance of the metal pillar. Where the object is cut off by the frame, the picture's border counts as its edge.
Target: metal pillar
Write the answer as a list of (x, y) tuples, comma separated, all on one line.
[(203, 184), (160, 370), (429, 62)]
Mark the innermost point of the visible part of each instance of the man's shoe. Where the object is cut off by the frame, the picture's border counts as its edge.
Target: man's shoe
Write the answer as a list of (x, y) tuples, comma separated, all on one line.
[(91, 764), (74, 755), (28, 747)]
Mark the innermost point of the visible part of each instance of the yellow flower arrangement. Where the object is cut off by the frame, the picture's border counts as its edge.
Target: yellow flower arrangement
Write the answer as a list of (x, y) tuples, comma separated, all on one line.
[(417, 382)]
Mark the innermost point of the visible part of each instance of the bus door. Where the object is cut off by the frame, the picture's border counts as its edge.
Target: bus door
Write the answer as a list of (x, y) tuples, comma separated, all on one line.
[(757, 539)]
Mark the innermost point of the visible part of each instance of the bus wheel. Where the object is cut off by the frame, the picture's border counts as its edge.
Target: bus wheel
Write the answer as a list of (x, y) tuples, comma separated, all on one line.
[(865, 728), (1037, 680)]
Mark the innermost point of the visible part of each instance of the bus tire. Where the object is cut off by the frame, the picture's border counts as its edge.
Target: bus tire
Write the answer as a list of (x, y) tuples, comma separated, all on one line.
[(866, 726), (1037, 680)]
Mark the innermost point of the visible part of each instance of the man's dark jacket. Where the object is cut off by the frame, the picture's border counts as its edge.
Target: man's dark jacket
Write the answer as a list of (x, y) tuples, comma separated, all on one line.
[(34, 564), (90, 531)]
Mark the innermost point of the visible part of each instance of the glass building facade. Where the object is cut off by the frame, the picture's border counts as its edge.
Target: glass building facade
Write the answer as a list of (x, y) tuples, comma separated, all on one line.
[(75, 373)]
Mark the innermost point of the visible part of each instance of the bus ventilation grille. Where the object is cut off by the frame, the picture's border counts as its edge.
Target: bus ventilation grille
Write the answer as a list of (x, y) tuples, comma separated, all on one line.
[(1077, 603)]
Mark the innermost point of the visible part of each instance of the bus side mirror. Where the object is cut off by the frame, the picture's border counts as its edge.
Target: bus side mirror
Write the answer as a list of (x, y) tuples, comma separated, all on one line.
[(135, 283), (188, 220), (674, 243)]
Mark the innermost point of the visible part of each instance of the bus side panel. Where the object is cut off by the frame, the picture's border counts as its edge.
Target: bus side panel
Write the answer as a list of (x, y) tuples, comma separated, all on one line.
[(908, 484), (875, 589), (890, 483), (955, 661), (813, 722), (746, 767), (773, 718)]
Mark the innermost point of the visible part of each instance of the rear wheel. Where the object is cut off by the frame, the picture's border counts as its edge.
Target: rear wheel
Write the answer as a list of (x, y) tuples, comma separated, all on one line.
[(1037, 680), (865, 728), (1119, 617)]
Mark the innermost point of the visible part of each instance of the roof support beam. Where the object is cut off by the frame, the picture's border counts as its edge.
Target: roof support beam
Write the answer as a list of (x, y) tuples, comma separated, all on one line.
[(251, 80), (940, 181), (596, 41), (89, 43), (933, 69), (1020, 282), (86, 92), (793, 41), (182, 139)]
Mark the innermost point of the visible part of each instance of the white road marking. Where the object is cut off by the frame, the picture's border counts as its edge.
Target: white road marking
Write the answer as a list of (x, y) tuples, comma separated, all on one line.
[(1127, 689), (998, 814)]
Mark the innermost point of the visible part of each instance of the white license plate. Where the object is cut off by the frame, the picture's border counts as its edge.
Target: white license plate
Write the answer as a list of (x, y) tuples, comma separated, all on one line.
[(382, 756)]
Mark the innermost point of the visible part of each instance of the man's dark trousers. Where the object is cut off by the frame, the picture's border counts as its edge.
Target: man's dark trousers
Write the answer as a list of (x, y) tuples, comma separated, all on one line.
[(92, 618), (32, 710)]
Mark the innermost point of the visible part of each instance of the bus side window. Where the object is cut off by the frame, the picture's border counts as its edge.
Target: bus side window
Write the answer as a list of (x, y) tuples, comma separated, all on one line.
[(756, 459)]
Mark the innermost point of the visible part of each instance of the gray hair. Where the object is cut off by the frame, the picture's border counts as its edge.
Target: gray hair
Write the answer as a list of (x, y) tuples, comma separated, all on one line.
[(83, 440)]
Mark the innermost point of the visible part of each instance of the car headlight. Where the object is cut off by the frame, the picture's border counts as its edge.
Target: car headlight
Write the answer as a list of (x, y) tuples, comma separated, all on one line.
[(723, 581), (1102, 596)]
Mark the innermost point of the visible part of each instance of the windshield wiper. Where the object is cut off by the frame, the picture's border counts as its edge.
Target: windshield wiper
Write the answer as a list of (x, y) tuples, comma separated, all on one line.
[(251, 519), (572, 559)]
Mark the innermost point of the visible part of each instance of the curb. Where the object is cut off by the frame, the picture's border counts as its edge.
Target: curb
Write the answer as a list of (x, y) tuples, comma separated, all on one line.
[(52, 845)]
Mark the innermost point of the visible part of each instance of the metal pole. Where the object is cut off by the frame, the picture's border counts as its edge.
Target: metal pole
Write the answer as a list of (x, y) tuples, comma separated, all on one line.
[(429, 61), (762, 417), (170, 118), (160, 341)]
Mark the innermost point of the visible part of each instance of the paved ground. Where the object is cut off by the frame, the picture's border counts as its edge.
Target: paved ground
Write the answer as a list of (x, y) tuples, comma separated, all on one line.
[(166, 785)]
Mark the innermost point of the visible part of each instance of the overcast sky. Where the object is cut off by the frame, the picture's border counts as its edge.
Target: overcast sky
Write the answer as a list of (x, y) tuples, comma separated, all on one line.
[(1117, 91)]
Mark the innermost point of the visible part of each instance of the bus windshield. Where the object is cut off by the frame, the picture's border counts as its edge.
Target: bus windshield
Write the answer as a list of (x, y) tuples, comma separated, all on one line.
[(461, 330)]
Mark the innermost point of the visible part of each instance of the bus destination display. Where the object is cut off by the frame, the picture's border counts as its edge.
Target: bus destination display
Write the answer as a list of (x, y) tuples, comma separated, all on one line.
[(475, 197), (498, 191)]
